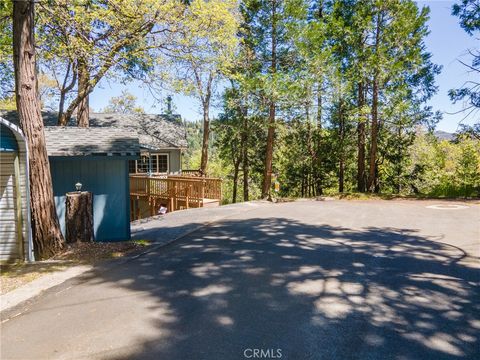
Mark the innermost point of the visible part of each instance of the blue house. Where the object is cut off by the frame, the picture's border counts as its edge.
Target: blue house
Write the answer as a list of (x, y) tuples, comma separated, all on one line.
[(97, 158)]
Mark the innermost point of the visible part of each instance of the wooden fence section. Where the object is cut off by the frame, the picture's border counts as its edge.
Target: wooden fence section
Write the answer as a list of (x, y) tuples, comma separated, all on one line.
[(147, 194)]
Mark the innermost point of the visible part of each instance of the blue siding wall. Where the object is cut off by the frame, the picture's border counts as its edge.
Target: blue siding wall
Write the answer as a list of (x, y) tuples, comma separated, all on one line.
[(107, 178)]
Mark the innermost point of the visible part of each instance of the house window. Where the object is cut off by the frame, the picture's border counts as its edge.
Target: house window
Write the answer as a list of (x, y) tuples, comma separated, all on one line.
[(162, 163), (132, 166), (143, 165), (154, 163)]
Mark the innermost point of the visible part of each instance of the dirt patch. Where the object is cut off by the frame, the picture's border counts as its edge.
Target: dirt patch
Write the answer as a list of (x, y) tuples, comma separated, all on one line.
[(15, 275), (90, 253)]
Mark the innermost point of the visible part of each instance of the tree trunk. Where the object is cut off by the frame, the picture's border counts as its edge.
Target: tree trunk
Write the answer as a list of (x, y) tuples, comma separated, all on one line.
[(374, 138), (65, 90), (83, 109), (361, 141), (399, 168), (236, 168), (245, 155), (61, 108), (80, 103), (47, 237), (341, 175), (318, 147), (373, 171), (302, 191), (341, 165), (79, 217), (267, 174), (206, 135)]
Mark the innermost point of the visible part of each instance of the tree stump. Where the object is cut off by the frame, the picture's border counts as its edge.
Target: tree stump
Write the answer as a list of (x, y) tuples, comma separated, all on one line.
[(79, 217)]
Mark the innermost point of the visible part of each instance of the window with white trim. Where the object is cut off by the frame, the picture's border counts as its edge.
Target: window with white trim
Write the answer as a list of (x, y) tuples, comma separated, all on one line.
[(143, 165), (154, 163)]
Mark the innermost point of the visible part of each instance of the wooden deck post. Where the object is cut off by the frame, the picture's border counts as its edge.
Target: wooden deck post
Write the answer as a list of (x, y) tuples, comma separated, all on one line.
[(137, 208), (220, 192), (171, 194), (175, 197), (132, 210)]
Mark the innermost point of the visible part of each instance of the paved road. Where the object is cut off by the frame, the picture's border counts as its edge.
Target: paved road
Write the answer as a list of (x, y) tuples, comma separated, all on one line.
[(304, 280)]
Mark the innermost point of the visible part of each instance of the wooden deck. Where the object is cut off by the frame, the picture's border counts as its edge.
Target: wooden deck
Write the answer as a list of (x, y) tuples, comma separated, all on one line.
[(148, 193)]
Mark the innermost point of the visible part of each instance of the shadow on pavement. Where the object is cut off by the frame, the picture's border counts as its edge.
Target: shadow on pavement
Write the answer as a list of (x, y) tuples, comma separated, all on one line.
[(313, 292)]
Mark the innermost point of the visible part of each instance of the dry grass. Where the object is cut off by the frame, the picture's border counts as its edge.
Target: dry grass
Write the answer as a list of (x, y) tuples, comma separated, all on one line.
[(15, 275), (18, 274)]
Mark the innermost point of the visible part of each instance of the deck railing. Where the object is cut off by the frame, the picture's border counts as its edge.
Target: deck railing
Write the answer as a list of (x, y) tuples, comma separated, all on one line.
[(174, 191), (191, 172), (213, 188)]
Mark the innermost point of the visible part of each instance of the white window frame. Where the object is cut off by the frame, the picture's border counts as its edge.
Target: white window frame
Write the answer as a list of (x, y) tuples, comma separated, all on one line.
[(168, 161), (136, 166), (155, 156)]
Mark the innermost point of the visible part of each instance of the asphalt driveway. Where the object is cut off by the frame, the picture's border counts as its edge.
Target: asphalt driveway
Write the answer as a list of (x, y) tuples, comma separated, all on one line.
[(303, 280)]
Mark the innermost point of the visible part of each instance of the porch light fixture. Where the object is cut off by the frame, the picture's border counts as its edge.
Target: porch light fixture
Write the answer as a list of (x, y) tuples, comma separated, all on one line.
[(78, 186)]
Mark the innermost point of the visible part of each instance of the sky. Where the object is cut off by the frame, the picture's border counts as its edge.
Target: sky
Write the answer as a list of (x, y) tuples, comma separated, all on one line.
[(447, 42)]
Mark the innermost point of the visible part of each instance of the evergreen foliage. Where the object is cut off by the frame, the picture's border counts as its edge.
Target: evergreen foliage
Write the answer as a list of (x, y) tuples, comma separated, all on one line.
[(349, 88)]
